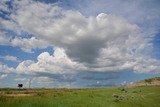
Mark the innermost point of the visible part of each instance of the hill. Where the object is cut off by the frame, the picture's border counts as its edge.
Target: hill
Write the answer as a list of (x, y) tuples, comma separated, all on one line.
[(147, 82)]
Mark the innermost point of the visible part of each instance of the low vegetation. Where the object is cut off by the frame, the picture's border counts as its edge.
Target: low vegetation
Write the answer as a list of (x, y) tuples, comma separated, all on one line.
[(146, 96)]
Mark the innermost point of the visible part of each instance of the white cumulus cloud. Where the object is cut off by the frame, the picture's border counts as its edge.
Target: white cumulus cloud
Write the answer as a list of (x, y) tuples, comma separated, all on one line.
[(94, 43), (56, 63)]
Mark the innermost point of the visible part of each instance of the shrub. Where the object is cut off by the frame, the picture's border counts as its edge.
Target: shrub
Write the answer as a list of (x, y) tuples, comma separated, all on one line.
[(118, 98), (40, 94)]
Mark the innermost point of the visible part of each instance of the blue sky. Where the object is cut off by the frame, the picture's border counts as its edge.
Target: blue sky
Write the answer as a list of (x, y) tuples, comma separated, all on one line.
[(82, 43)]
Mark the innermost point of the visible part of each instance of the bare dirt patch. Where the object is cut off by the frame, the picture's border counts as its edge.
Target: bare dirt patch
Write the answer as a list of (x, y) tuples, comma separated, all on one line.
[(18, 95)]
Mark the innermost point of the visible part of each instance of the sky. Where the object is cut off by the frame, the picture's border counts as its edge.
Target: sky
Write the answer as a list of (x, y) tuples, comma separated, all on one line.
[(78, 43)]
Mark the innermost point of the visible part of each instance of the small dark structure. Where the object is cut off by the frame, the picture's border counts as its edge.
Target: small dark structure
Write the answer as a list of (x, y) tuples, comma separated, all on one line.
[(20, 85)]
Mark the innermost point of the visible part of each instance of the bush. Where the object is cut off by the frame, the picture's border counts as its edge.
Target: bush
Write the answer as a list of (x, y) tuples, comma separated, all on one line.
[(148, 80), (40, 94), (118, 97), (134, 91)]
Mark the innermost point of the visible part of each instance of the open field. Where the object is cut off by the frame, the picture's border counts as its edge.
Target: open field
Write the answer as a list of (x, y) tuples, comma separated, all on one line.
[(91, 97)]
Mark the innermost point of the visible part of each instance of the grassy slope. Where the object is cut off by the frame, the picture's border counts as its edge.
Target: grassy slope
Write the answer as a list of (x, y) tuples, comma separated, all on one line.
[(100, 97), (147, 82)]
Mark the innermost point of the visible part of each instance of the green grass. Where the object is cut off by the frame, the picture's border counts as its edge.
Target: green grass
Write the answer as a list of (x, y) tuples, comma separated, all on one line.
[(91, 97)]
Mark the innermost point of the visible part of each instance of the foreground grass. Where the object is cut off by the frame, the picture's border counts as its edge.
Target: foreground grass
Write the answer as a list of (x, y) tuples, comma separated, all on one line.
[(100, 97)]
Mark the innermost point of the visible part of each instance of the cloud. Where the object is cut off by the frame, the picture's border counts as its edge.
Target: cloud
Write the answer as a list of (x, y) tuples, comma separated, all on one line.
[(3, 39), (81, 36), (4, 69), (3, 76), (101, 76), (60, 63), (101, 85), (26, 44), (56, 63), (66, 77), (20, 79), (147, 65), (102, 43), (142, 12), (10, 58), (42, 80)]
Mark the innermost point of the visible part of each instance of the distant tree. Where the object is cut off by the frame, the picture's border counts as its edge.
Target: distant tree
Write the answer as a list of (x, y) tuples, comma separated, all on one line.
[(20, 86)]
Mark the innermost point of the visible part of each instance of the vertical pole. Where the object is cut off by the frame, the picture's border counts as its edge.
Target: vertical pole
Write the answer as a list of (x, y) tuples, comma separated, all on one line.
[(30, 83)]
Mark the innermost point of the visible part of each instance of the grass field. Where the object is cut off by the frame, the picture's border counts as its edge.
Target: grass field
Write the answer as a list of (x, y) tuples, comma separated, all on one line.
[(91, 97)]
